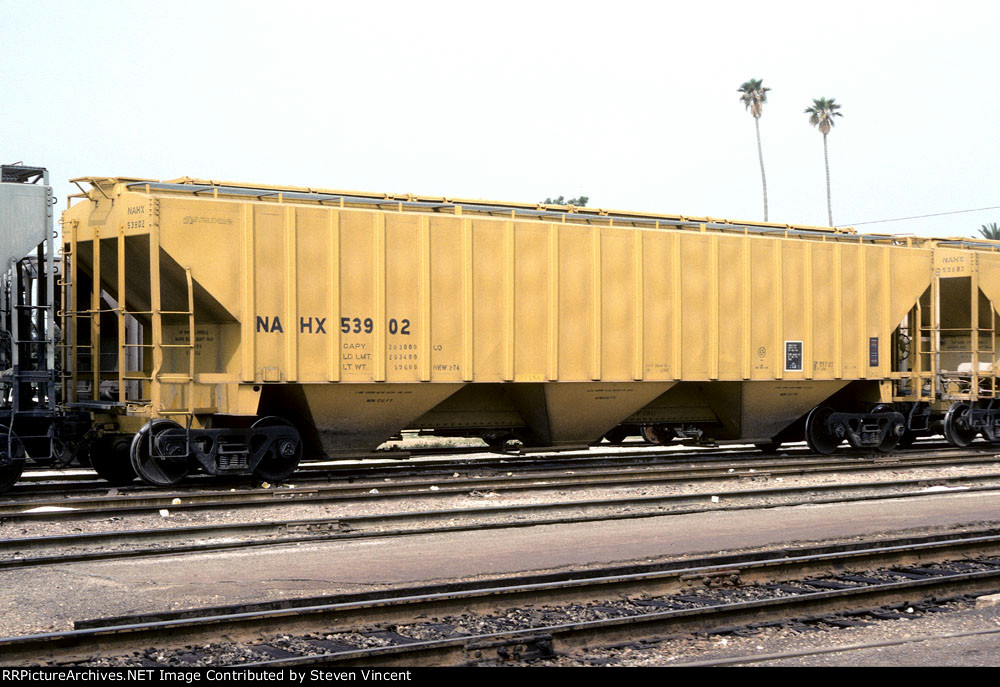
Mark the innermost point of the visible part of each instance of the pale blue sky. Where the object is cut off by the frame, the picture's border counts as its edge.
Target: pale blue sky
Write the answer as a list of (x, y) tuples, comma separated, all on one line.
[(632, 104)]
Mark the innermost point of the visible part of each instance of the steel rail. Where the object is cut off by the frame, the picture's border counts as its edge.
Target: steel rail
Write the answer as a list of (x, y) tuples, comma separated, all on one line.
[(418, 461), (546, 641), (345, 612), (67, 548), (420, 467), (755, 566), (550, 480), (833, 649)]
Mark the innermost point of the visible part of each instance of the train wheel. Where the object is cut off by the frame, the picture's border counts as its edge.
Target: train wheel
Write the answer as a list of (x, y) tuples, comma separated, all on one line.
[(818, 435), (892, 437), (769, 446), (957, 429), (657, 434), (10, 448), (151, 466), (112, 462), (282, 457), (616, 435)]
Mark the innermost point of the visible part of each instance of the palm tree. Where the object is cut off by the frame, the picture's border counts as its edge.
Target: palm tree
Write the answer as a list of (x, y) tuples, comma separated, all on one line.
[(754, 96), (821, 116), (990, 231)]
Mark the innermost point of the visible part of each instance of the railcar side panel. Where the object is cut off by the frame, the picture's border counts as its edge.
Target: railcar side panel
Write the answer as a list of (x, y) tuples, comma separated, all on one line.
[(695, 322), (825, 321), (733, 307), (659, 307), (618, 305), (768, 360), (489, 302), (576, 304), (531, 303)]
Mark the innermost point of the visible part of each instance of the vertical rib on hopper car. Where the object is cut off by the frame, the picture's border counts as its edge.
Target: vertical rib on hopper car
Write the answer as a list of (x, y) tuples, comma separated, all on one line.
[(240, 327)]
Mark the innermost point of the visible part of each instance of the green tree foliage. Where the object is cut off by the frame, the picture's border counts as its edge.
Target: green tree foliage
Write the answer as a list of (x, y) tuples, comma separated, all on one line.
[(580, 202), (990, 231)]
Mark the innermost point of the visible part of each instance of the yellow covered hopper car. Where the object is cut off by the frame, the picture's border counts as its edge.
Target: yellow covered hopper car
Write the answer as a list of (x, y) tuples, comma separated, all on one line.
[(239, 328)]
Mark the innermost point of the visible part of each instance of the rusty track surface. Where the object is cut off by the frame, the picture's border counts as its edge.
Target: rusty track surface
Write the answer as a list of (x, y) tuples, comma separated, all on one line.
[(118, 636)]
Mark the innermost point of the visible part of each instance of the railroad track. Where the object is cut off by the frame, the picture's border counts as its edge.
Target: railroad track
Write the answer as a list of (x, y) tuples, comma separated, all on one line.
[(60, 549), (407, 460), (441, 462), (521, 618), (82, 480), (835, 649), (532, 479)]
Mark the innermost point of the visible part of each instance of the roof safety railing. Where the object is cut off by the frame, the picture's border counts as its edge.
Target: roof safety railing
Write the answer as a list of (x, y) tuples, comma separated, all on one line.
[(580, 215)]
